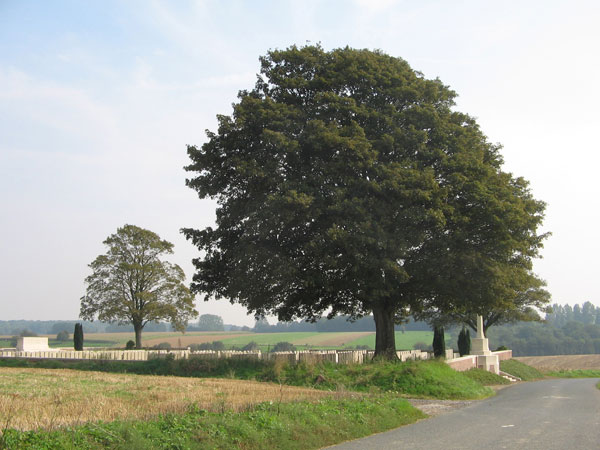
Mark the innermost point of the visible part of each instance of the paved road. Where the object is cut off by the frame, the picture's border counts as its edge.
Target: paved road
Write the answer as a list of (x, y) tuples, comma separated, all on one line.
[(551, 414)]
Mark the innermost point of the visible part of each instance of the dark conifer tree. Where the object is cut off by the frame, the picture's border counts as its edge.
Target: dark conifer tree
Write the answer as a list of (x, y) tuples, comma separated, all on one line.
[(464, 342), (439, 343), (78, 337)]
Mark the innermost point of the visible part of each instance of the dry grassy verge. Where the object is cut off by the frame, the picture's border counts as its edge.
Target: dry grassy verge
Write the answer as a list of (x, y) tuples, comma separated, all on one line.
[(45, 398)]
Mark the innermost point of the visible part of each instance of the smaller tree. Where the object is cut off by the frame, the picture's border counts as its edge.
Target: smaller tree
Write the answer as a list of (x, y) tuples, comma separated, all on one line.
[(210, 322), (251, 346), (439, 343), (464, 341), (284, 347), (62, 336), (78, 337), (131, 284), (130, 345)]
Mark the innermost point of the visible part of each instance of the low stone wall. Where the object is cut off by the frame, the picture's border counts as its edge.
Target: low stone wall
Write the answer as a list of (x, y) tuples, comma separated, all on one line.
[(463, 363), (468, 362), (503, 355)]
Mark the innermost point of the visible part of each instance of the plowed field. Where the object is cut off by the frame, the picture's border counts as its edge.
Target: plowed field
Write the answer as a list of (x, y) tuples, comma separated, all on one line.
[(561, 362)]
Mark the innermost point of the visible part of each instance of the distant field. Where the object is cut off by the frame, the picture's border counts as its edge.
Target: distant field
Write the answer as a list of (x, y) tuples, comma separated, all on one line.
[(562, 362), (47, 398), (265, 341), (404, 341), (332, 340)]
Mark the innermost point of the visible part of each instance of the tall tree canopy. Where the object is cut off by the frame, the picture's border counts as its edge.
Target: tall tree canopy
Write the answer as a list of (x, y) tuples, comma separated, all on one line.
[(339, 177), (131, 284)]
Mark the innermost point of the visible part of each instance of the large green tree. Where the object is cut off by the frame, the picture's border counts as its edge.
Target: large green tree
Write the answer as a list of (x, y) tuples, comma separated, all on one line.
[(131, 284), (210, 322), (338, 177)]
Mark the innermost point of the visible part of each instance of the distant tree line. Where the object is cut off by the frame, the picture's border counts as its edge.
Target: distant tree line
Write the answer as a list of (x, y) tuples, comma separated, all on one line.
[(567, 330), (16, 327)]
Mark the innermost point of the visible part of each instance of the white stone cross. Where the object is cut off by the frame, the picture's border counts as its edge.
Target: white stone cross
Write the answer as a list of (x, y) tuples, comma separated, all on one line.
[(480, 334)]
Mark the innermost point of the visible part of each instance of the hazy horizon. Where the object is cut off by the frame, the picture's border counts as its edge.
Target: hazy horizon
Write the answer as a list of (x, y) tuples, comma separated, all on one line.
[(100, 99)]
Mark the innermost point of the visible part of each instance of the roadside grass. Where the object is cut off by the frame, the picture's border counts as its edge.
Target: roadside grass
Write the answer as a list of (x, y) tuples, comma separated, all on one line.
[(425, 379), (49, 398), (485, 378), (518, 369), (297, 425), (577, 373)]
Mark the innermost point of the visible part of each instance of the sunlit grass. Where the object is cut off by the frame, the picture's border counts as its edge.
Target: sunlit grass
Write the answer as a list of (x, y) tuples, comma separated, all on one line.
[(48, 398)]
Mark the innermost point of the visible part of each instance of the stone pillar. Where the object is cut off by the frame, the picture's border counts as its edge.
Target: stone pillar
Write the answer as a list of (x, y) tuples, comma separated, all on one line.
[(480, 347), (479, 344)]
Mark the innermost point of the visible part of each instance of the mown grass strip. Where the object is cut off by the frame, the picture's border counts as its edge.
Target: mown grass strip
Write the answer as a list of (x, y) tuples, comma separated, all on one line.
[(576, 373), (266, 426)]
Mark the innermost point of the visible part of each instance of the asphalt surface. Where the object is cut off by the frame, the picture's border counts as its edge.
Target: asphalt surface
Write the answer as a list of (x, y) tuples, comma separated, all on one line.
[(553, 414)]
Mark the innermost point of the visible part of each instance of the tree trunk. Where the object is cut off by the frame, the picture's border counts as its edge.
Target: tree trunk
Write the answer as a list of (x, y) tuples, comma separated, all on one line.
[(385, 337), (138, 335)]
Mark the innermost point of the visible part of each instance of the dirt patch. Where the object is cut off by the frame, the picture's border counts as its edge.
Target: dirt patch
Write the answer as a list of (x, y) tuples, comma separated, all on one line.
[(561, 362), (333, 339), (185, 340), (437, 407)]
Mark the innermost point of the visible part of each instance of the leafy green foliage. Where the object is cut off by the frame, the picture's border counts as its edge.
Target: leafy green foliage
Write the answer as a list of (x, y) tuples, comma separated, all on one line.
[(130, 345), (162, 346), (210, 322), (266, 426), (131, 284), (521, 370), (537, 339), (283, 347), (345, 183), (250, 347), (62, 336), (214, 345)]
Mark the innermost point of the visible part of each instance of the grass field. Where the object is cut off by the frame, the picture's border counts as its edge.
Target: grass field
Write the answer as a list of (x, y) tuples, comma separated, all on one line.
[(69, 397), (265, 341)]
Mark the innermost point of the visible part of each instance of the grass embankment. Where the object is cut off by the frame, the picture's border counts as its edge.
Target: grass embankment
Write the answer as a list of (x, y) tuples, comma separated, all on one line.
[(578, 373), (265, 426), (518, 369), (425, 379), (485, 378)]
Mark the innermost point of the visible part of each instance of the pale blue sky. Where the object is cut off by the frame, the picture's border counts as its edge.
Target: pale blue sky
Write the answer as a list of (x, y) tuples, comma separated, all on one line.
[(98, 100)]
